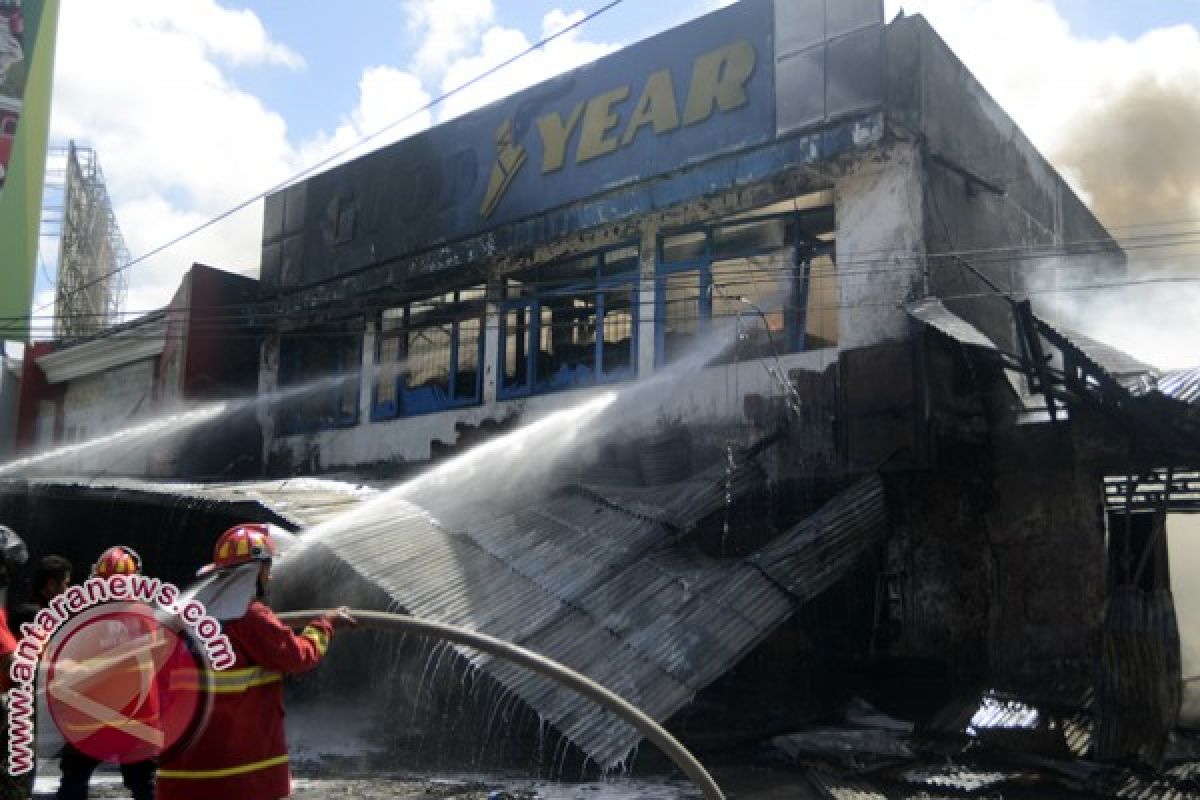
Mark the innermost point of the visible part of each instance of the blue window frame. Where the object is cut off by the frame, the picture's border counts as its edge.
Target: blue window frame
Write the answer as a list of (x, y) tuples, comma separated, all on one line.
[(570, 324), (776, 272), (322, 366), (429, 355)]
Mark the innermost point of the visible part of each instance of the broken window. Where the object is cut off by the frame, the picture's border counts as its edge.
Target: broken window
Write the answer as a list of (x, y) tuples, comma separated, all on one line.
[(429, 354), (682, 311), (319, 372), (391, 322), (770, 279), (570, 324), (821, 325)]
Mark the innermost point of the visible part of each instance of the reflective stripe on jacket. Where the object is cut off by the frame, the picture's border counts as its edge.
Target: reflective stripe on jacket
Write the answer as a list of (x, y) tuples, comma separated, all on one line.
[(242, 751)]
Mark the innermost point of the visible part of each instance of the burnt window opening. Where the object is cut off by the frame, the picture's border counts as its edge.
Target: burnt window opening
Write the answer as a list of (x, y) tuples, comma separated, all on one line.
[(429, 355), (319, 373), (1138, 555), (773, 275), (570, 324)]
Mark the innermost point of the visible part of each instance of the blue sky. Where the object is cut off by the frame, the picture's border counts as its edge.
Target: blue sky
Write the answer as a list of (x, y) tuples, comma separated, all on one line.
[(1131, 18), (196, 105), (372, 32), (368, 32)]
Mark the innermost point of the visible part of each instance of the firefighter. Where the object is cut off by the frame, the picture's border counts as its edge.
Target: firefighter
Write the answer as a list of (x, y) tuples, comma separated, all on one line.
[(51, 577), (241, 753), (76, 766), (12, 554)]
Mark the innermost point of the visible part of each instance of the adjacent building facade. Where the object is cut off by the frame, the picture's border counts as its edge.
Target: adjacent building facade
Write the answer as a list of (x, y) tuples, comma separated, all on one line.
[(203, 346), (797, 171)]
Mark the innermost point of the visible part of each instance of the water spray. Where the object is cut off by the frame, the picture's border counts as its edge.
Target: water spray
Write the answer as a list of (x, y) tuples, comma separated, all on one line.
[(124, 441), (170, 424), (542, 665)]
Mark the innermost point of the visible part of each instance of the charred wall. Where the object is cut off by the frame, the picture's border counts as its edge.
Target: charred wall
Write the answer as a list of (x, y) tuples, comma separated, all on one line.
[(174, 539), (997, 567), (989, 195)]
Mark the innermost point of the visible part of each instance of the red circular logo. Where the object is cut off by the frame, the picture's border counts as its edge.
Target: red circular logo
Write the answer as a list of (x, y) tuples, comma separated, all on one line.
[(124, 687)]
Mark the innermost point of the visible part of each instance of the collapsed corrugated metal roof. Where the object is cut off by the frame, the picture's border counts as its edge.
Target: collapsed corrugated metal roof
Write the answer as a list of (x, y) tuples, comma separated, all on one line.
[(300, 502), (1157, 403), (930, 311), (590, 577), (599, 588), (1138, 377), (1181, 384), (1126, 371), (683, 505), (1134, 375)]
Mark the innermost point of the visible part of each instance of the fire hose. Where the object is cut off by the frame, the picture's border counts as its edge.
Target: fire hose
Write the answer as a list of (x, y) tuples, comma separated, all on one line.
[(528, 659)]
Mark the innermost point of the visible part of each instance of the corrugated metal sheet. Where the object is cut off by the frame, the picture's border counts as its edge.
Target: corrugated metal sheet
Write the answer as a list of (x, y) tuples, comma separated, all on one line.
[(1182, 385), (961, 777), (930, 311), (587, 577), (302, 502), (1177, 783), (682, 505), (846, 745), (827, 786), (600, 589), (1138, 377), (1124, 368), (815, 553), (1139, 686)]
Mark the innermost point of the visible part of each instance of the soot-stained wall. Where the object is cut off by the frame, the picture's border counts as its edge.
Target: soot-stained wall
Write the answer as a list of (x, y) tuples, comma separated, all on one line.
[(989, 195)]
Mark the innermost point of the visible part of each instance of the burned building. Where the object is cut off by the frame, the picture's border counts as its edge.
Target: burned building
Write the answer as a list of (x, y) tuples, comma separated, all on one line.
[(799, 256), (201, 347), (860, 236)]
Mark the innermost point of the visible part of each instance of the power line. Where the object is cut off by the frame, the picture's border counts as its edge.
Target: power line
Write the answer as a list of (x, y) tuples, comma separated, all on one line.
[(888, 260), (747, 274), (347, 150), (438, 100), (492, 321), (754, 269)]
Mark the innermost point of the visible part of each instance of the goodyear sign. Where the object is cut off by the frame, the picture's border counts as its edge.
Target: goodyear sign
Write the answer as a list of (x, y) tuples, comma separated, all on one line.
[(682, 98), (609, 126)]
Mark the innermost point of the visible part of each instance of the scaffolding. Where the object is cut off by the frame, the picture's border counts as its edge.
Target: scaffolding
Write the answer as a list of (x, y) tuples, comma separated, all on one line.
[(78, 219)]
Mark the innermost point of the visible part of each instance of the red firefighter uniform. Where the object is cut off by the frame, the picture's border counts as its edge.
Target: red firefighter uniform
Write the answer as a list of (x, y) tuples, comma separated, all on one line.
[(132, 679), (241, 754)]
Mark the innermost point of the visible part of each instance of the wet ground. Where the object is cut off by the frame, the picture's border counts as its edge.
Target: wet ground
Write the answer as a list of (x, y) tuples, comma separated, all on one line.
[(811, 781), (107, 784)]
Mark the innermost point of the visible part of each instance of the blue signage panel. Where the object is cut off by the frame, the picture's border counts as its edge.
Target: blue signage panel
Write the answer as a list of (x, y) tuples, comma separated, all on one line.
[(681, 97)]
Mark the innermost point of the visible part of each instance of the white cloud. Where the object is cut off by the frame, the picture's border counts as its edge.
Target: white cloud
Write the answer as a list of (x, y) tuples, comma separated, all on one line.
[(142, 82), (391, 106), (147, 84), (557, 20), (447, 30), (1061, 87), (1118, 117), (238, 36), (497, 44)]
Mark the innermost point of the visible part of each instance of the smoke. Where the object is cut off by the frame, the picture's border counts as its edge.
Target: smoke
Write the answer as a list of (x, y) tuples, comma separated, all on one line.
[(1156, 321), (1137, 157)]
